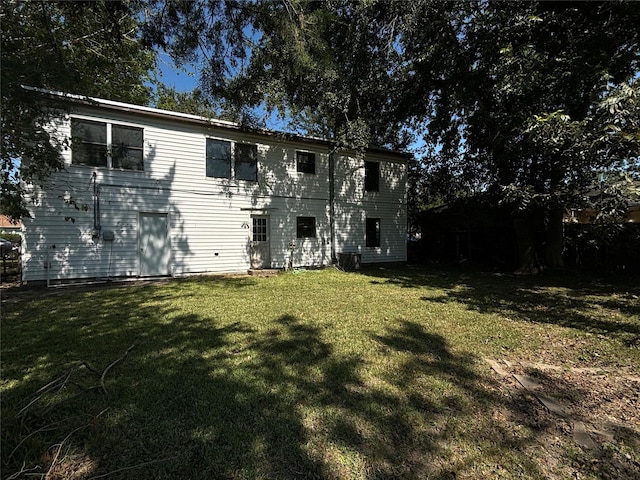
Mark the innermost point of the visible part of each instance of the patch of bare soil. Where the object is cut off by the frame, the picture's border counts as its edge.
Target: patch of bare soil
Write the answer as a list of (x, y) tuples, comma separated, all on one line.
[(70, 467), (15, 292), (587, 421)]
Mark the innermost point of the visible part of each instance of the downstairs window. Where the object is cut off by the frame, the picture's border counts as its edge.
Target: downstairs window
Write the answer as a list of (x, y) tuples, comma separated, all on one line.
[(373, 232), (306, 227)]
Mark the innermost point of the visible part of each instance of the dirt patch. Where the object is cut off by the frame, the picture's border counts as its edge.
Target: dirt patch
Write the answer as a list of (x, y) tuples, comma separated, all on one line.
[(70, 467), (15, 292), (594, 414)]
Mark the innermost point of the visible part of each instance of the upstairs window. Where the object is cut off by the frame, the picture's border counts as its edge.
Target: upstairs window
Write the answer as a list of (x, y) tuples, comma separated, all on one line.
[(246, 157), (306, 162), (126, 147), (373, 232), (100, 144), (218, 158), (371, 176), (306, 227), (89, 143)]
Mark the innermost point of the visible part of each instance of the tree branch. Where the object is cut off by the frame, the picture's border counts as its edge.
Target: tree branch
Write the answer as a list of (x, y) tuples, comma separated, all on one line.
[(112, 364)]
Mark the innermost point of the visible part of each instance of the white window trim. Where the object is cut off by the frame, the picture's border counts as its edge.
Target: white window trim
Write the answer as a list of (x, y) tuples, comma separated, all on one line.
[(109, 138), (315, 162), (233, 159)]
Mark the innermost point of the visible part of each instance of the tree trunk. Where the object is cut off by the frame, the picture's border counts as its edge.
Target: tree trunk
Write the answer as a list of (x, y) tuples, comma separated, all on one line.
[(554, 239), (527, 258), (554, 231)]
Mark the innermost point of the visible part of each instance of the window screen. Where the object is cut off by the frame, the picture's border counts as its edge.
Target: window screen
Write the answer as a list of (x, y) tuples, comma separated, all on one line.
[(306, 227), (89, 143), (306, 162), (246, 162), (218, 158), (371, 176), (126, 147), (373, 232)]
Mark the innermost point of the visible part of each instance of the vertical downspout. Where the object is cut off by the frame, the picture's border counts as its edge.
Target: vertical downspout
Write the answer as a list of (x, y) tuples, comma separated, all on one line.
[(332, 194), (96, 207)]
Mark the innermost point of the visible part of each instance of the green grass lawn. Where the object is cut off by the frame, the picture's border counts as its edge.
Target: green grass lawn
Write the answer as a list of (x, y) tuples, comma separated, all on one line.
[(319, 374)]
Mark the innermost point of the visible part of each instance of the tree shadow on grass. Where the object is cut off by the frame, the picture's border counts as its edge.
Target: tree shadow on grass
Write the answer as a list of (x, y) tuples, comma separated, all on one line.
[(199, 397), (190, 400), (586, 304), (216, 410), (400, 421), (357, 420), (451, 404)]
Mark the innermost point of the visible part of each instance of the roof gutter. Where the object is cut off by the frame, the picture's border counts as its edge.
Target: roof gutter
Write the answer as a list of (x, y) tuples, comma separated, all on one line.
[(194, 119)]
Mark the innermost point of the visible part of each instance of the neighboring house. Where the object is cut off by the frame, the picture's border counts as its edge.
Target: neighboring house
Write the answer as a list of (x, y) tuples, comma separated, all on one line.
[(7, 226), (148, 192), (588, 216)]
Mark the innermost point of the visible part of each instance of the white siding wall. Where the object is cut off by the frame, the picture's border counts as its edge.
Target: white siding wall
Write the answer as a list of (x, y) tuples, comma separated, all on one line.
[(209, 218), (354, 205)]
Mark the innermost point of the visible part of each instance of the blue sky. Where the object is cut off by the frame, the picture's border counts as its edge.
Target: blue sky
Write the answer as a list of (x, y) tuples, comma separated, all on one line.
[(184, 79)]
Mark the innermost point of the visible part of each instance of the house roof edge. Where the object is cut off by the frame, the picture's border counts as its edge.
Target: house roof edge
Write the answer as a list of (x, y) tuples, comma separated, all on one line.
[(189, 118)]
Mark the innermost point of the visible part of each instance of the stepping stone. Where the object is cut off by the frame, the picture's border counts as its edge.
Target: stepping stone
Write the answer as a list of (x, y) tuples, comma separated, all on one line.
[(552, 404), (581, 436), (497, 368), (549, 402)]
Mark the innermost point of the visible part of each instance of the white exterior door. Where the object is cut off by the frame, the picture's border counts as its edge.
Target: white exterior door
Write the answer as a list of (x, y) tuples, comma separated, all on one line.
[(260, 242), (153, 244)]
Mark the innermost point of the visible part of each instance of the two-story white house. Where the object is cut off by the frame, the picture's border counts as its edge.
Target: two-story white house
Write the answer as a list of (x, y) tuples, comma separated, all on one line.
[(148, 192)]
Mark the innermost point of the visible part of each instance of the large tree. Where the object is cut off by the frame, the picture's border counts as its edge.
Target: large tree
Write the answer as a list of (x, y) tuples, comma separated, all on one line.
[(89, 48), (527, 101), (328, 67), (530, 107), (517, 99)]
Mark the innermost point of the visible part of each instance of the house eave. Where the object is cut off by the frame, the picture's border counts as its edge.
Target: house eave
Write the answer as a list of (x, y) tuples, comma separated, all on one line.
[(197, 120)]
